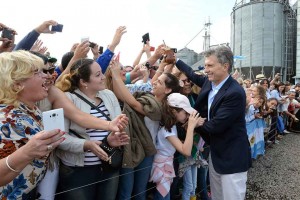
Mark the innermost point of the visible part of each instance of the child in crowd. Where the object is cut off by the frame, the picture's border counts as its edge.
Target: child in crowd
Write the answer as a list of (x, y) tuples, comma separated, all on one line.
[(255, 126), (167, 142)]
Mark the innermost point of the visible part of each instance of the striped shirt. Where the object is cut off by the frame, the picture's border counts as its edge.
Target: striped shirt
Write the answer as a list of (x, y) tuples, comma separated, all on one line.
[(96, 135)]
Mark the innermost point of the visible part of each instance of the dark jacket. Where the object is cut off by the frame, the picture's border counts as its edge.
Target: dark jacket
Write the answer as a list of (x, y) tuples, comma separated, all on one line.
[(226, 130)]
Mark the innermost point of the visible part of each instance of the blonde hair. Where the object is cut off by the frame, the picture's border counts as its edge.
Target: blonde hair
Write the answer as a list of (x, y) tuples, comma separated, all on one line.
[(108, 79), (15, 67), (81, 69)]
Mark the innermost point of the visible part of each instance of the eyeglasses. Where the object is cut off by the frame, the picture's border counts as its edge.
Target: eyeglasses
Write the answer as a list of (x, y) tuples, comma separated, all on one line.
[(186, 81), (50, 70)]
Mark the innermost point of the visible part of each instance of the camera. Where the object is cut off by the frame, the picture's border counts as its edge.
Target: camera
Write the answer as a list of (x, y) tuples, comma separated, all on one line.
[(147, 64), (92, 44), (6, 33), (169, 56)]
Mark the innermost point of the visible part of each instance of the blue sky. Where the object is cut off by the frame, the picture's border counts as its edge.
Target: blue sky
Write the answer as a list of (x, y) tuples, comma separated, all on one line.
[(176, 22)]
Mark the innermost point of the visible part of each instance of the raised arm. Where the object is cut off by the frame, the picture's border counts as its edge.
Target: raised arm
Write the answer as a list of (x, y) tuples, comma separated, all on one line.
[(60, 100), (27, 42), (185, 148), (106, 57), (145, 49), (121, 91), (80, 52)]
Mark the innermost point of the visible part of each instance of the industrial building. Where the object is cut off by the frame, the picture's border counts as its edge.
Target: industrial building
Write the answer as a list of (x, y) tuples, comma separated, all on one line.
[(263, 34)]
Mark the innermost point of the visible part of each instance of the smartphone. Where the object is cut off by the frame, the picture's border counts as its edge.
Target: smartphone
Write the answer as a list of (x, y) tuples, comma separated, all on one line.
[(146, 38), (57, 28), (147, 64), (101, 49), (54, 119), (92, 44), (152, 48), (6, 33)]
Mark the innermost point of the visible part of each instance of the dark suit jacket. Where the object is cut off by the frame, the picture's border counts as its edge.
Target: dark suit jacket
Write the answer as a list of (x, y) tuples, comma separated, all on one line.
[(226, 130)]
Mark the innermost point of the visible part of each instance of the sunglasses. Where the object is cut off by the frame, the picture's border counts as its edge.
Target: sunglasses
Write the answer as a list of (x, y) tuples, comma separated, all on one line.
[(186, 81), (50, 70)]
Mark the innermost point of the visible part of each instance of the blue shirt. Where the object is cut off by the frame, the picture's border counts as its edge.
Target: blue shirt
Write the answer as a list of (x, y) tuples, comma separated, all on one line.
[(105, 59), (214, 90)]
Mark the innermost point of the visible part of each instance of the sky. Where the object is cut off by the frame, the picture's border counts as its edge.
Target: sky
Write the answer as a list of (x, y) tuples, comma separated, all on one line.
[(174, 21)]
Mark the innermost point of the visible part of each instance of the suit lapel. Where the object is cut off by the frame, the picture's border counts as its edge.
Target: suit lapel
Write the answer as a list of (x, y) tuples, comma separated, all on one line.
[(220, 93)]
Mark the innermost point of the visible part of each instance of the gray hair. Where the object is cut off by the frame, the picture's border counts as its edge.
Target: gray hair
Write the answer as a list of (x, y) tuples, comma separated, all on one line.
[(223, 54)]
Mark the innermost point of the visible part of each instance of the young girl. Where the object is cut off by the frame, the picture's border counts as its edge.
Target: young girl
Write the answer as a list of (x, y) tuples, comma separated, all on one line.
[(167, 142), (255, 126)]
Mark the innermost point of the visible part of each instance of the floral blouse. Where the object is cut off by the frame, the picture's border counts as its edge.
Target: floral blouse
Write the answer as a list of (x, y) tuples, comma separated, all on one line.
[(17, 126)]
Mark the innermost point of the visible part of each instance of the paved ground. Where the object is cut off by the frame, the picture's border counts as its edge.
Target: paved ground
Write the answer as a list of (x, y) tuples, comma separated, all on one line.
[(276, 175)]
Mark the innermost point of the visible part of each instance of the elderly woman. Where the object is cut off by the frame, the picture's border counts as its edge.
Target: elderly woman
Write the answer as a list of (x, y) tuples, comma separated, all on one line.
[(24, 146), (82, 157)]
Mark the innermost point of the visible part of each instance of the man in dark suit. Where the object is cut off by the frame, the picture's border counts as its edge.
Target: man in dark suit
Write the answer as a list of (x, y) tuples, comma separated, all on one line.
[(222, 101)]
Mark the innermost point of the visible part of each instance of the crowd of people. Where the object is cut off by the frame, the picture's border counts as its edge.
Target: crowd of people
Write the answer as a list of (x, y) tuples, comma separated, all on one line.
[(176, 132)]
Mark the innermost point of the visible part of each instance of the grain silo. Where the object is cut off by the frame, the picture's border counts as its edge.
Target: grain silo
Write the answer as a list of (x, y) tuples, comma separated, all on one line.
[(263, 33)]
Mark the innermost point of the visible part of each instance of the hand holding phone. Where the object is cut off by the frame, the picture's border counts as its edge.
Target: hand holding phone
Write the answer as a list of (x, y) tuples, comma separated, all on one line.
[(92, 44), (7, 33)]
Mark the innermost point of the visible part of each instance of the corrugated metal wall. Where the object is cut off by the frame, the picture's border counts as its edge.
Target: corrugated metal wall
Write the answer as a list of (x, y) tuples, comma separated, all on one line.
[(257, 33)]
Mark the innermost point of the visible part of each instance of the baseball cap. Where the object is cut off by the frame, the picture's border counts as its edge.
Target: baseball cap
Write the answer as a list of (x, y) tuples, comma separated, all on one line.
[(178, 100), (52, 59), (260, 77)]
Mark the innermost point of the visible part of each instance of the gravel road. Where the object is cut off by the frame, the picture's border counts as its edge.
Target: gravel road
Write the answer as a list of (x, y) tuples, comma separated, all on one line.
[(276, 175)]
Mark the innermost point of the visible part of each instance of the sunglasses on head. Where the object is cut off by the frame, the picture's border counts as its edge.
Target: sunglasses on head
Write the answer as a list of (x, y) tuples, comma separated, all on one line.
[(50, 70)]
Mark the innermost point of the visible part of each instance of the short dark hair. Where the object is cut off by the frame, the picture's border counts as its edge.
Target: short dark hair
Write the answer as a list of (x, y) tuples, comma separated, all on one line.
[(223, 54), (66, 59)]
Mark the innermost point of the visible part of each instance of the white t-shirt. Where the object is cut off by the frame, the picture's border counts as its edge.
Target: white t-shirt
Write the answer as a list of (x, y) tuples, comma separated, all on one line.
[(153, 127), (162, 144)]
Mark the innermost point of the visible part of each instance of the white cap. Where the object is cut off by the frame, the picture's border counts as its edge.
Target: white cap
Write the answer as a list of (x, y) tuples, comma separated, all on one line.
[(178, 100)]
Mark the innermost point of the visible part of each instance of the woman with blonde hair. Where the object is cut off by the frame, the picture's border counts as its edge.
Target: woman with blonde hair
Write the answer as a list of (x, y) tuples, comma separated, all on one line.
[(24, 146)]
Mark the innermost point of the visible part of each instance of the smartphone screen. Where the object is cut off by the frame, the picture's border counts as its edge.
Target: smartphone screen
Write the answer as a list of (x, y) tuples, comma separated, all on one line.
[(101, 49), (57, 28)]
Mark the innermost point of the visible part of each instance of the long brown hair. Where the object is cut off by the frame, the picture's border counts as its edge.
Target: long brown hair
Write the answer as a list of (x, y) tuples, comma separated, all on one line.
[(168, 116)]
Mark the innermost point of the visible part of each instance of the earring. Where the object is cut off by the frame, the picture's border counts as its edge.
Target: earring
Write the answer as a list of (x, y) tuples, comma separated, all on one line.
[(86, 87)]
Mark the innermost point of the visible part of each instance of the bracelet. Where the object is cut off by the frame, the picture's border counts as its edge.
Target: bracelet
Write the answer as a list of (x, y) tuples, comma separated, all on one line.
[(6, 161)]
